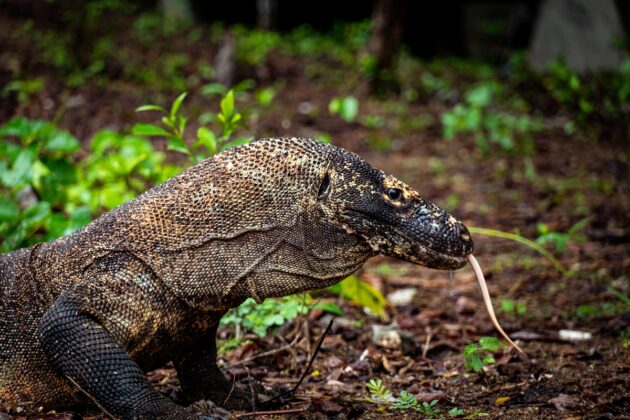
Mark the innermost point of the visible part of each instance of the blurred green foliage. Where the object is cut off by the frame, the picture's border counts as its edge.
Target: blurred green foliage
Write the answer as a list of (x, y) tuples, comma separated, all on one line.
[(476, 116)]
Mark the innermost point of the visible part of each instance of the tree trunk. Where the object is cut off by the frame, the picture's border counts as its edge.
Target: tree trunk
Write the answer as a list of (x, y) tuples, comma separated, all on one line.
[(267, 13), (388, 21)]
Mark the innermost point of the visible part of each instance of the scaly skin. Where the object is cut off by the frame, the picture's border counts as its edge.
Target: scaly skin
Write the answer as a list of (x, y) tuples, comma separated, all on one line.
[(83, 317)]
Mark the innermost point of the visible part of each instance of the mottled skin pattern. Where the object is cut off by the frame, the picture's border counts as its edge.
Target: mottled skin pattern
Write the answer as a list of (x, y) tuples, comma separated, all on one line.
[(147, 283)]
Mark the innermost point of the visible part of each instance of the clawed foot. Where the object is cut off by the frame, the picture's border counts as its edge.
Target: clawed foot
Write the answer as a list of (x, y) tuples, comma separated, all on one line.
[(206, 409)]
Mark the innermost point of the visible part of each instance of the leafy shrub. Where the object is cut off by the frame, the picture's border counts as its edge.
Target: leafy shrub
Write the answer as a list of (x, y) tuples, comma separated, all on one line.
[(259, 318), (512, 133)]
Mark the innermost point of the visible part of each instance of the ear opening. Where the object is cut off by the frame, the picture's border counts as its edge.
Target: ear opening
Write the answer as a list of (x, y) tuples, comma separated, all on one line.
[(324, 187)]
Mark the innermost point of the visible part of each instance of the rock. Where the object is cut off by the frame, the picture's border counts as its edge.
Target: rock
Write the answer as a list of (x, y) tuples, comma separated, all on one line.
[(582, 32), (402, 297), (564, 401)]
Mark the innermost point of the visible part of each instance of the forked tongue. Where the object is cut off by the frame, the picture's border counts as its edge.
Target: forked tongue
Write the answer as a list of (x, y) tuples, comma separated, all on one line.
[(486, 299)]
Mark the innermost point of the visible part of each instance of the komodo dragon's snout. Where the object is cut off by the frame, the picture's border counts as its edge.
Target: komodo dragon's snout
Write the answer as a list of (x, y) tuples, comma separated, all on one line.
[(391, 216)]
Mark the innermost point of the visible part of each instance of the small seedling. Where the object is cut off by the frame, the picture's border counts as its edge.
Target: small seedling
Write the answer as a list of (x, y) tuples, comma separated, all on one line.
[(561, 239), (513, 307), (380, 394), (476, 355), (455, 412), (429, 409)]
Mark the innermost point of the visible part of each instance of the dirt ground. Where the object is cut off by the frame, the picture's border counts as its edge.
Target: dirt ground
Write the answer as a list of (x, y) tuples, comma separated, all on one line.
[(576, 177)]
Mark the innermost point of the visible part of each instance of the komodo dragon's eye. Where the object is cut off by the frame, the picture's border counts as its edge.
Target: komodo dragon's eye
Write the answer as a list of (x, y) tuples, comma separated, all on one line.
[(324, 187), (394, 194)]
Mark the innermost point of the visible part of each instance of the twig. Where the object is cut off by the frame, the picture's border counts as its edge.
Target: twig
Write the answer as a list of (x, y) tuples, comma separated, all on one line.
[(308, 367), (317, 347), (425, 349), (91, 398), (266, 353), (271, 413)]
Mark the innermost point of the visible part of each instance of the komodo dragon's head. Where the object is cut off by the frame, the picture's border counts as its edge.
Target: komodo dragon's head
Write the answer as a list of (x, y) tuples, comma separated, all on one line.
[(391, 216), (330, 186)]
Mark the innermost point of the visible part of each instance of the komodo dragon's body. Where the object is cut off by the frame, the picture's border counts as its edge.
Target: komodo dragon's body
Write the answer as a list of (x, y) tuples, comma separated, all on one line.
[(148, 282)]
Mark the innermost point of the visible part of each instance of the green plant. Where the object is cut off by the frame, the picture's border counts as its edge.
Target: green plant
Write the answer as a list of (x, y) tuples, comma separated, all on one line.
[(513, 307), (477, 355), (35, 170), (561, 239), (23, 88), (118, 167), (48, 191), (455, 412), (380, 394), (347, 107), (524, 241), (259, 318), (405, 401), (207, 143), (619, 305), (429, 409), (512, 133)]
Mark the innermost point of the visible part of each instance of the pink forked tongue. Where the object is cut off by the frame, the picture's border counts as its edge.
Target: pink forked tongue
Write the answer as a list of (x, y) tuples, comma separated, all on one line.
[(486, 299)]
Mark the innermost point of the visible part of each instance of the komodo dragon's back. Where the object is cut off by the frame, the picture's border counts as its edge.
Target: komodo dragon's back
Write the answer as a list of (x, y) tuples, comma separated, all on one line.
[(148, 282)]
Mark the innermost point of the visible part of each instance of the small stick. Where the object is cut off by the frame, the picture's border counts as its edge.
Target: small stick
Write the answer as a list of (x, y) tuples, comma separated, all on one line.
[(266, 353), (91, 398), (425, 349), (271, 413), (486, 299), (310, 363)]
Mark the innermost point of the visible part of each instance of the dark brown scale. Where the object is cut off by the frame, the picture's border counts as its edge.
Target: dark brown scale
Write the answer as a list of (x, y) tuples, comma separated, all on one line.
[(148, 282)]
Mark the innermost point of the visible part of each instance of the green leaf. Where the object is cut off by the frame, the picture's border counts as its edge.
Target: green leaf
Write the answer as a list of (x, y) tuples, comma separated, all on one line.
[(9, 211), (151, 108), (346, 107), (487, 360), (178, 145), (213, 89), (149, 130), (81, 217), (455, 411), (208, 139), (62, 141), (329, 307), (21, 168), (36, 215), (181, 124), (489, 343), (227, 105), (361, 293), (177, 104)]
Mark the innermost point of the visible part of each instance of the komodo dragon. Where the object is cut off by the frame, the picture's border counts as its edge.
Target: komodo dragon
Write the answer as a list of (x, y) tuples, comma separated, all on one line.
[(147, 283)]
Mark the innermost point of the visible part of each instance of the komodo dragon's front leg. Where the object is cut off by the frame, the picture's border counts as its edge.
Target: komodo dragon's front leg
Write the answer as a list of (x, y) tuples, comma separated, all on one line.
[(84, 341), (201, 378)]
